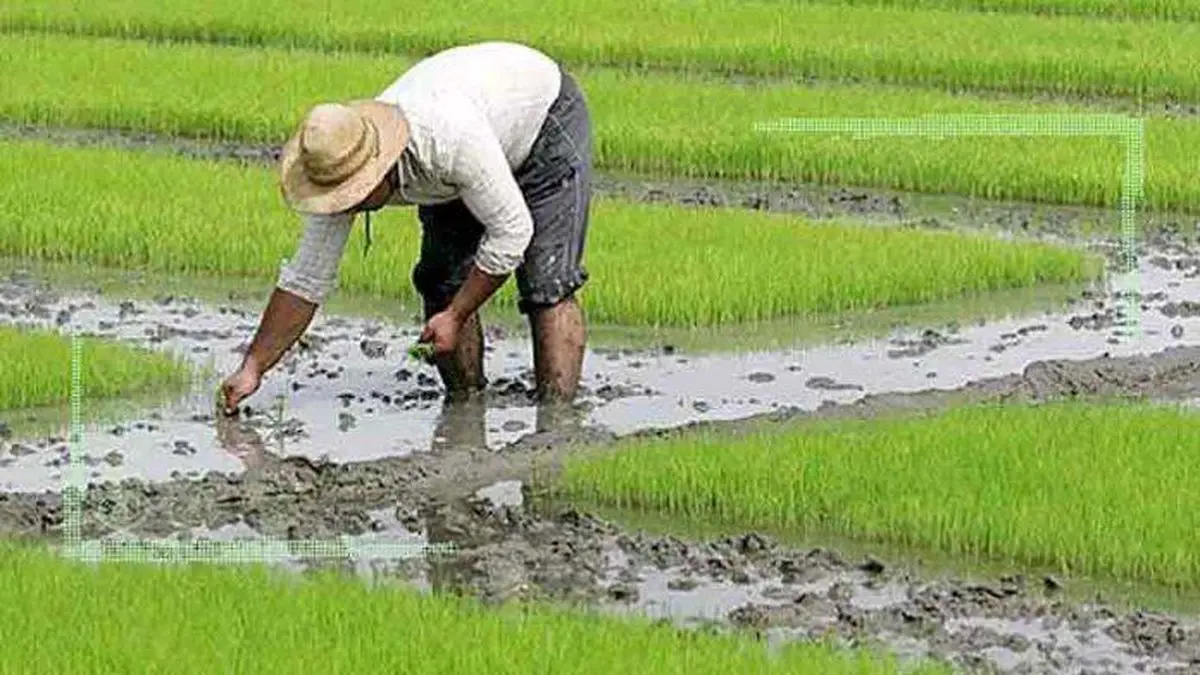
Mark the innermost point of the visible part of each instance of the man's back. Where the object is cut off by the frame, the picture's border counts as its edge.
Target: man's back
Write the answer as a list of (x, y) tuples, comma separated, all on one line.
[(510, 85)]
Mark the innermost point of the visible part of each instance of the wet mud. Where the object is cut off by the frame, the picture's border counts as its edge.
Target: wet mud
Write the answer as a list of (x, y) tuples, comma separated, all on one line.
[(751, 582), (509, 549)]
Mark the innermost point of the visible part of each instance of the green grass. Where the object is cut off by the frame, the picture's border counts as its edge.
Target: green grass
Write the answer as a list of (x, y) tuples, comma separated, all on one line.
[(658, 265), (59, 616), (644, 123), (36, 367), (1011, 52), (1104, 489)]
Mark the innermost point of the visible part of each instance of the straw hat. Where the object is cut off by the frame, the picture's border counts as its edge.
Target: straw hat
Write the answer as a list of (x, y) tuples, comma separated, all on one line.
[(340, 154)]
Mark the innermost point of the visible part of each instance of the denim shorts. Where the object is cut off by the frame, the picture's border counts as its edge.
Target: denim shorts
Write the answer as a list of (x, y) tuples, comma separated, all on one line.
[(556, 182)]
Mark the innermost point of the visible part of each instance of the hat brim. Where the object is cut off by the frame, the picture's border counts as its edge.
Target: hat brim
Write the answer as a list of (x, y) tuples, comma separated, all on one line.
[(307, 197)]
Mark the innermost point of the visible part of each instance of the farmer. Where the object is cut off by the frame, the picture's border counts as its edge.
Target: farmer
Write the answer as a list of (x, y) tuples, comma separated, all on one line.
[(492, 142)]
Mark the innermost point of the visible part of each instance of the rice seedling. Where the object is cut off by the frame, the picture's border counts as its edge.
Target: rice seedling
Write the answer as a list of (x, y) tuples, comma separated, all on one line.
[(105, 207), (644, 123), (1011, 52), (138, 617), (1100, 488), (421, 351), (1165, 10), (37, 369)]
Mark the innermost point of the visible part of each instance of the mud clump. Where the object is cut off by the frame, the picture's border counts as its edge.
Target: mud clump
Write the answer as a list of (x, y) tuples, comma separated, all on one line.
[(1152, 634), (1173, 372), (928, 341), (506, 552), (1184, 309), (1094, 321), (1189, 265), (829, 384), (703, 196), (373, 349), (860, 202)]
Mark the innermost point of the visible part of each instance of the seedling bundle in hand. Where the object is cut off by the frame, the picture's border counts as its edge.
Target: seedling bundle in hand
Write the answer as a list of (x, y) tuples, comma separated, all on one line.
[(421, 351)]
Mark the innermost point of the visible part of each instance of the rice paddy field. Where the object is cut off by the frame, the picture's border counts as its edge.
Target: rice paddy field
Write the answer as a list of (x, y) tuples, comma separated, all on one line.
[(851, 403)]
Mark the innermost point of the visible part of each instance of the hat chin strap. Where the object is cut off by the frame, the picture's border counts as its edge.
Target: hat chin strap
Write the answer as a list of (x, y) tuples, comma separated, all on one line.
[(367, 225)]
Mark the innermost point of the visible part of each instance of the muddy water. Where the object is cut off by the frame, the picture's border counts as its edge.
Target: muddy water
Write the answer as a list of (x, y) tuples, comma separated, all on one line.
[(352, 394)]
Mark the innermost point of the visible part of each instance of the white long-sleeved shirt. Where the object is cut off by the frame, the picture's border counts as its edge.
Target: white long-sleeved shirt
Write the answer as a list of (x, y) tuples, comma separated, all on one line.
[(473, 113)]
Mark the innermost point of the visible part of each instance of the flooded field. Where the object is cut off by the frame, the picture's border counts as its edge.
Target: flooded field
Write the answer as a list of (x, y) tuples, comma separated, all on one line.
[(351, 394), (350, 438), (349, 444)]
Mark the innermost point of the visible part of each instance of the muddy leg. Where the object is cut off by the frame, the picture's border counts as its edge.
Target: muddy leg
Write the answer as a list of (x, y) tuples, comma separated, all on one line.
[(462, 425), (450, 237), (462, 370), (559, 341), (558, 416)]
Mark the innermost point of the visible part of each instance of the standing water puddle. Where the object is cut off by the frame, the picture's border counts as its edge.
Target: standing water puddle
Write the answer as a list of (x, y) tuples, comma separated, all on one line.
[(355, 395)]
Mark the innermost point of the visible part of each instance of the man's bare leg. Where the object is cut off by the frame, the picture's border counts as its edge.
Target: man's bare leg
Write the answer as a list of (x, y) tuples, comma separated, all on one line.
[(559, 341), (462, 370)]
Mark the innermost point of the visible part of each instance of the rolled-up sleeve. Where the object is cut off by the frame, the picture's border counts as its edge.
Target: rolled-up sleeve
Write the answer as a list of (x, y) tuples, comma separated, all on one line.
[(489, 190), (312, 272)]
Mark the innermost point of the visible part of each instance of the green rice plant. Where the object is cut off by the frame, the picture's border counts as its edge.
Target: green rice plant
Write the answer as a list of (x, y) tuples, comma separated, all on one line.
[(644, 123), (1168, 10), (36, 367), (656, 265), (1010, 52), (138, 618), (1098, 488)]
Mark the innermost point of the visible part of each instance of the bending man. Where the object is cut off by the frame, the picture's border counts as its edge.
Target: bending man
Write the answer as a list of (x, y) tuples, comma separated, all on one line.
[(492, 142)]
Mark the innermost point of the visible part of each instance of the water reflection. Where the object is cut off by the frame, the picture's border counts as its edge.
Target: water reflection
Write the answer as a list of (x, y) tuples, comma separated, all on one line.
[(243, 442), (461, 425)]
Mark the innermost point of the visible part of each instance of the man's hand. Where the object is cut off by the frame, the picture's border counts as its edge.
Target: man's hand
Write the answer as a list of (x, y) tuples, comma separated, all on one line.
[(284, 320), (443, 328), (442, 331), (238, 386)]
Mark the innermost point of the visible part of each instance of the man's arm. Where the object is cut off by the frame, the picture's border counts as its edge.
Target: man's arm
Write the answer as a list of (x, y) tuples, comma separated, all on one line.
[(475, 291), (302, 287), (490, 192), (284, 321)]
